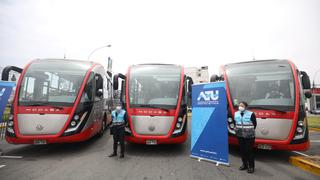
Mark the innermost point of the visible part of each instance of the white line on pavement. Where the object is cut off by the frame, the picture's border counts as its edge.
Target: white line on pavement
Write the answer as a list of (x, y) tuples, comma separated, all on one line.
[(316, 141), (11, 157), (300, 153), (1, 166)]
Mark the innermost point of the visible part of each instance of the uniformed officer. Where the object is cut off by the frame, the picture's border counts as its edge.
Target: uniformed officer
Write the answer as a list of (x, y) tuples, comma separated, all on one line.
[(119, 121), (245, 130)]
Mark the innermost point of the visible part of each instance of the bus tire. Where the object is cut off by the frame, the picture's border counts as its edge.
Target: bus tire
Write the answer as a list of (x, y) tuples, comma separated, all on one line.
[(103, 127)]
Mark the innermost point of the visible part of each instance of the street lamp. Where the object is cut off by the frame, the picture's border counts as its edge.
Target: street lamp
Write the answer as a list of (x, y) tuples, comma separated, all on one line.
[(109, 45)]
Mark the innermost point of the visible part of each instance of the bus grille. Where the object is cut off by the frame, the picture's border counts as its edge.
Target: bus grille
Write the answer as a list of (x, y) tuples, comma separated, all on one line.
[(152, 125), (36, 124)]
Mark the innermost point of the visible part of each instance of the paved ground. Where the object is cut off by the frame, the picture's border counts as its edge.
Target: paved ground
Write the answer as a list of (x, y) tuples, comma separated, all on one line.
[(88, 161)]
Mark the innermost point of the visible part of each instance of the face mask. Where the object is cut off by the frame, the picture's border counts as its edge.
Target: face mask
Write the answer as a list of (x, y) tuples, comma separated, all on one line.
[(241, 108), (118, 108)]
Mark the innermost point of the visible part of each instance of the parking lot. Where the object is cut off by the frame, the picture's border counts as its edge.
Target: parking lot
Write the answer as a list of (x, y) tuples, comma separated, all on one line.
[(88, 160)]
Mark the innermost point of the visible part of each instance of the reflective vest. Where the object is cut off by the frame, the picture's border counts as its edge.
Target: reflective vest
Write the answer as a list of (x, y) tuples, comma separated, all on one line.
[(244, 125), (119, 118)]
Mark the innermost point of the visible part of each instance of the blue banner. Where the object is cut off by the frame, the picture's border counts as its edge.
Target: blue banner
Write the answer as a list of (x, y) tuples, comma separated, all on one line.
[(5, 92), (209, 133)]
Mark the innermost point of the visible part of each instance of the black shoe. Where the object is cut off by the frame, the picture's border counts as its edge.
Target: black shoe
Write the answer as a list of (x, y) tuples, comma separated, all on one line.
[(250, 170), (112, 155), (122, 156), (243, 167)]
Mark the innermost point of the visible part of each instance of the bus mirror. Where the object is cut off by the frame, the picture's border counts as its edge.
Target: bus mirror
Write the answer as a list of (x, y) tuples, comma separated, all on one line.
[(308, 94), (305, 80), (214, 78), (6, 71), (115, 82), (190, 82), (99, 93)]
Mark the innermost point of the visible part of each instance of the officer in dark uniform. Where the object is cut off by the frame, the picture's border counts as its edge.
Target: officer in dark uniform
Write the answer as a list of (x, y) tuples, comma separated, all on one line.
[(119, 121), (245, 130)]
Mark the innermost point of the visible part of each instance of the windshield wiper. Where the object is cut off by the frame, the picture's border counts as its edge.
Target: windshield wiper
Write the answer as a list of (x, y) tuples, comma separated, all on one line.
[(267, 108), (45, 104), (153, 106)]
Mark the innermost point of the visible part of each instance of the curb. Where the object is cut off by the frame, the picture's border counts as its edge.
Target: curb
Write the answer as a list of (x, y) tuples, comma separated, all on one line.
[(314, 129), (306, 164)]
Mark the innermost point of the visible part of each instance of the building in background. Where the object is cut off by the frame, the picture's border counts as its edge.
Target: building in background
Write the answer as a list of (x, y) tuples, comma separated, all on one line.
[(315, 101), (198, 75)]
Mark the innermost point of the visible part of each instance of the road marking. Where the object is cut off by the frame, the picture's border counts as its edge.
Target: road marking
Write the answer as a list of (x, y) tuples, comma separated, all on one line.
[(300, 153), (1, 166), (12, 157), (315, 141)]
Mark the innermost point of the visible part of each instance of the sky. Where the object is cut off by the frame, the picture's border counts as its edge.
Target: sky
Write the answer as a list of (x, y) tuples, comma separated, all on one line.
[(190, 33)]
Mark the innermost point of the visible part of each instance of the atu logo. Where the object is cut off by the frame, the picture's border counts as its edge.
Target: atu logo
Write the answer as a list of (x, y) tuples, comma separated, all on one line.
[(208, 95)]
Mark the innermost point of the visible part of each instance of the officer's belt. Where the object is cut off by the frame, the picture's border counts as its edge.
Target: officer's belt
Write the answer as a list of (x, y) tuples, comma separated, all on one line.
[(244, 127), (118, 123)]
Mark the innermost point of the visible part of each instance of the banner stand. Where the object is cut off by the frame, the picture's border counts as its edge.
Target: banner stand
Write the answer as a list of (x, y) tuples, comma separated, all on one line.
[(5, 92), (211, 161), (209, 133)]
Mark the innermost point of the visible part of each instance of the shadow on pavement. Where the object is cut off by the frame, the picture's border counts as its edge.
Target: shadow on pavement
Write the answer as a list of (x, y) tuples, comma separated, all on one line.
[(53, 150), (157, 150)]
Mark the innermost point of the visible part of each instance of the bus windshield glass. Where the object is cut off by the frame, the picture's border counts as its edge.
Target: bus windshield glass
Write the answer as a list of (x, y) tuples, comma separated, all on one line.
[(154, 86), (52, 82), (268, 85)]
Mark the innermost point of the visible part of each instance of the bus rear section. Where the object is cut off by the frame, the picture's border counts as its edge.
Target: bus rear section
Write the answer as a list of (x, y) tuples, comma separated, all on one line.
[(274, 91), (59, 101), (156, 97)]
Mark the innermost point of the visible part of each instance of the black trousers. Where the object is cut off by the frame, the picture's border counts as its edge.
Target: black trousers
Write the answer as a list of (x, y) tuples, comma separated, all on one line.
[(118, 136), (246, 151)]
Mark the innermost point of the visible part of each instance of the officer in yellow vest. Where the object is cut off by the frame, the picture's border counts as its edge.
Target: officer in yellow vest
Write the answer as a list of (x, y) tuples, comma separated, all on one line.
[(119, 121), (245, 130)]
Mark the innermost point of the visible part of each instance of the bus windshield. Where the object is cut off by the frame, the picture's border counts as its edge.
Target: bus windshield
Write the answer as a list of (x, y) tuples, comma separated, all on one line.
[(52, 82), (154, 86), (262, 84)]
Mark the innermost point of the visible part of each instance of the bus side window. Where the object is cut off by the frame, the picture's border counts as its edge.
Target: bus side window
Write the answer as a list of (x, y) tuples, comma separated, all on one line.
[(87, 95), (99, 86)]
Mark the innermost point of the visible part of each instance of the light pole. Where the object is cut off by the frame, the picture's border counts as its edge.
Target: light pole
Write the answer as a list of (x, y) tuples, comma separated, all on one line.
[(109, 45)]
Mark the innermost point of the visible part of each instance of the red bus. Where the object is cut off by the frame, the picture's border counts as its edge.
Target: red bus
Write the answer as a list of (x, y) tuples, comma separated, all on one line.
[(274, 91), (59, 101), (155, 97)]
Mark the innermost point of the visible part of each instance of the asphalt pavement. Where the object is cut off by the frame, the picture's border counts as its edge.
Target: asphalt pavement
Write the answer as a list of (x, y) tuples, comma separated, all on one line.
[(88, 160)]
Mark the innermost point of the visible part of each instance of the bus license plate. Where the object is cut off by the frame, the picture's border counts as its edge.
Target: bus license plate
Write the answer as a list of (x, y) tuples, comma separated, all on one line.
[(39, 142), (264, 146), (151, 142)]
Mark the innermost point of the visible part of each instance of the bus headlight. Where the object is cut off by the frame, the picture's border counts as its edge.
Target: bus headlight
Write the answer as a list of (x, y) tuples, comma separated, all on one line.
[(73, 123), (11, 117), (300, 123), (230, 120), (178, 125), (76, 117), (10, 123), (232, 126), (299, 129), (180, 119)]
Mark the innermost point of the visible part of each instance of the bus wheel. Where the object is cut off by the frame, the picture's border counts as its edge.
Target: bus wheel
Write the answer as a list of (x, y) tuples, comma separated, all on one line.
[(103, 127)]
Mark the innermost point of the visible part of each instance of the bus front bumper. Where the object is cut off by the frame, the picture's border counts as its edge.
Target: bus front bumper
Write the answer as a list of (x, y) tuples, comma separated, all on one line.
[(82, 136), (274, 145), (171, 140)]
